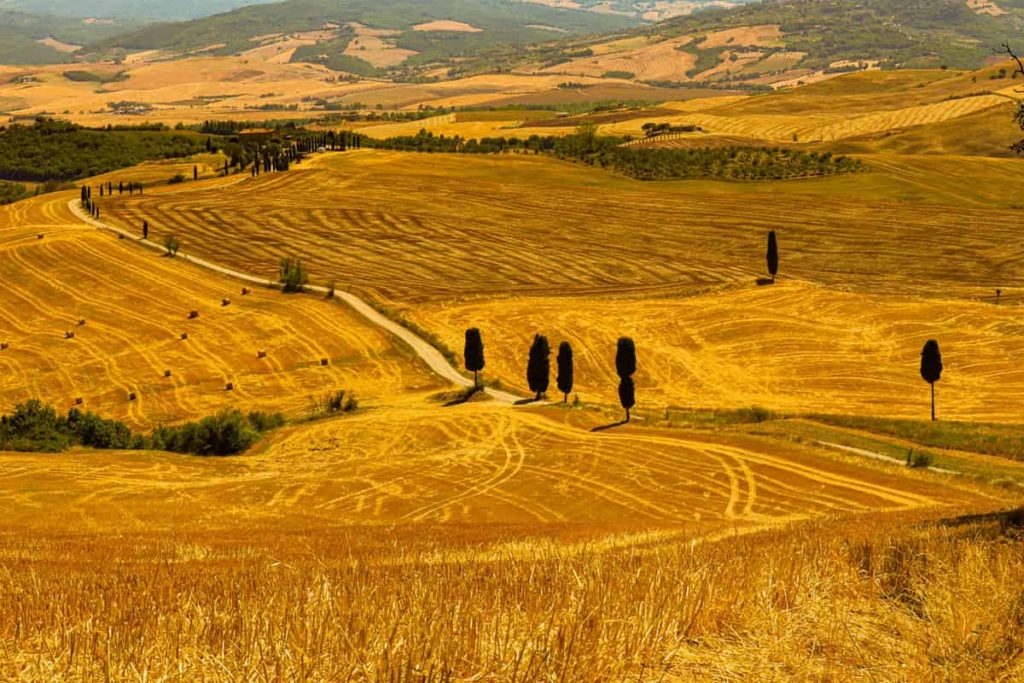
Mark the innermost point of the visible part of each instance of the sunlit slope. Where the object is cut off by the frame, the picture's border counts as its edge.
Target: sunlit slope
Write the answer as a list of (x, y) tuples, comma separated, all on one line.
[(472, 464), (135, 306), (790, 347), (420, 227)]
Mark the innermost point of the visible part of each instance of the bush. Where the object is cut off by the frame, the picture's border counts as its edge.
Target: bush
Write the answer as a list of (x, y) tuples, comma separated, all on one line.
[(172, 244), (293, 275), (333, 402), (226, 433), (918, 459), (176, 179)]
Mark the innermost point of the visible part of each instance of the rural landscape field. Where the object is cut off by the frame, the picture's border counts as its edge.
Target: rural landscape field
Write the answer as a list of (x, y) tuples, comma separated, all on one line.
[(487, 340)]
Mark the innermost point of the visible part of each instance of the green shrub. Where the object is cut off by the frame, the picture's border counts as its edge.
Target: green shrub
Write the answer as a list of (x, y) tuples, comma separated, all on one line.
[(293, 275)]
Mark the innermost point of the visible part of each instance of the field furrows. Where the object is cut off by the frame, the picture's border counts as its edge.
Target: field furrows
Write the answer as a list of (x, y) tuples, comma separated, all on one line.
[(471, 464), (481, 226), (135, 307), (789, 347)]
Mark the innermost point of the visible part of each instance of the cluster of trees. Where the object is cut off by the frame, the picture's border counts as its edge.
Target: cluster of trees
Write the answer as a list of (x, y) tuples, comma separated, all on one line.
[(292, 274), (538, 366), (58, 150), (34, 426), (643, 163)]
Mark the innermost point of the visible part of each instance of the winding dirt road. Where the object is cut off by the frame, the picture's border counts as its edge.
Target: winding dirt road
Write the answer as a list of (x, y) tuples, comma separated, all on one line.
[(433, 358)]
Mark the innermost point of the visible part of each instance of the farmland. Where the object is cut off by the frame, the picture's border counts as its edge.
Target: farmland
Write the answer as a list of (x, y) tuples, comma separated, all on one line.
[(779, 507)]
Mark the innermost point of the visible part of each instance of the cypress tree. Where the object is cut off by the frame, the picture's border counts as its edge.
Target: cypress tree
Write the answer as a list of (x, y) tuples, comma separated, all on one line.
[(120, 187), (565, 370), (625, 366), (145, 230), (101, 190), (625, 358), (773, 255), (473, 354), (538, 369), (627, 395), (195, 173), (931, 367)]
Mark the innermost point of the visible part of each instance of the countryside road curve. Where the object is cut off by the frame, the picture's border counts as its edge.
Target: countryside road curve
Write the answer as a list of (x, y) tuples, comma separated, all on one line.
[(430, 355)]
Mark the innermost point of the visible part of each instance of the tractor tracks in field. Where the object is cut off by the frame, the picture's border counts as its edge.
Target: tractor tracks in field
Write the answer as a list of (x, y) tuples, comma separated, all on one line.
[(430, 355)]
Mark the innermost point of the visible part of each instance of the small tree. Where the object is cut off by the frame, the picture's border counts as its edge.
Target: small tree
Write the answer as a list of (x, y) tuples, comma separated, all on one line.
[(195, 173), (145, 230), (625, 358), (627, 395), (473, 354), (171, 244), (931, 367), (565, 370), (773, 255), (538, 369), (293, 275)]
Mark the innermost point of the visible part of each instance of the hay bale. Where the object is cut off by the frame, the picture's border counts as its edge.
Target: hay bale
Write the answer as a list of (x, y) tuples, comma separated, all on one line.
[(324, 362), (261, 354), (79, 401), (131, 396), (192, 315), (120, 235), (225, 302), (167, 373), (69, 335), (184, 336), (81, 322), (245, 291), (39, 236), (4, 346), (229, 386)]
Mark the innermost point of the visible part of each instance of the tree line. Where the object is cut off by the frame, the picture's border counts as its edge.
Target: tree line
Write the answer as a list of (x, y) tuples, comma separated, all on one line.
[(34, 426), (643, 162)]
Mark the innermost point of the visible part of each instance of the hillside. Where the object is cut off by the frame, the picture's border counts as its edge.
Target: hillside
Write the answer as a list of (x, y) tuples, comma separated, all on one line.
[(129, 9), (787, 42), (28, 38), (365, 35)]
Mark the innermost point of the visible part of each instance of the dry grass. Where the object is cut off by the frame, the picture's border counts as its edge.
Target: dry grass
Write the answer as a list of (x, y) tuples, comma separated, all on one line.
[(136, 304)]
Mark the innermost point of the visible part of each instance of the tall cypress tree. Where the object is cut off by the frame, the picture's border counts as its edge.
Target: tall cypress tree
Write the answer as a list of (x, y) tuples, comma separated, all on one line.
[(473, 353), (565, 370), (931, 367), (773, 255), (538, 369), (625, 366)]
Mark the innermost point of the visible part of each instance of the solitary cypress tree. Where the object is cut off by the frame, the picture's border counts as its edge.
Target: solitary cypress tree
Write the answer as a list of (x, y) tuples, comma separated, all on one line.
[(773, 255), (565, 370), (538, 370), (625, 366), (145, 230), (931, 367), (473, 353), (627, 395), (101, 190), (195, 173), (120, 187), (625, 358)]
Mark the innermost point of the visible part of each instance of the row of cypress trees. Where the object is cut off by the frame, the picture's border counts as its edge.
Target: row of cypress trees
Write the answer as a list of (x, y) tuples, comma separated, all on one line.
[(538, 366)]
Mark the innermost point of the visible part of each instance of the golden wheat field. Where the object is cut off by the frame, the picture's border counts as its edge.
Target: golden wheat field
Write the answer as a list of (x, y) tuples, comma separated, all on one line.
[(465, 226), (436, 535), (128, 309)]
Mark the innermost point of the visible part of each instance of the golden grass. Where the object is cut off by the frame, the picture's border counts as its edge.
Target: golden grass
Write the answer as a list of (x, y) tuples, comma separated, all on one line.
[(518, 224), (136, 306), (791, 347)]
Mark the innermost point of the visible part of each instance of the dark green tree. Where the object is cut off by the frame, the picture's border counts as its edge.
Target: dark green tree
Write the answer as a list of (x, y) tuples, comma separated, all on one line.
[(773, 255), (293, 275), (565, 370), (931, 367), (145, 230), (625, 358), (473, 354), (627, 395), (195, 173), (538, 369)]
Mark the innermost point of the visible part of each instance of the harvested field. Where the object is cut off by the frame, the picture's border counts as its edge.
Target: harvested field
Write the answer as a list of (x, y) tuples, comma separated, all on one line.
[(483, 226), (135, 306)]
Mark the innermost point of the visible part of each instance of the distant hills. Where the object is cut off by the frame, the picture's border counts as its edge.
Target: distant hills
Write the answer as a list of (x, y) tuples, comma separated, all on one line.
[(164, 10), (367, 35), (28, 38)]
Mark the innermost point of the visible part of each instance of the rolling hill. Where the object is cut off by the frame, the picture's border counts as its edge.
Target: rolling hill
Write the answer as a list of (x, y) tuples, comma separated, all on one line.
[(125, 9), (785, 42), (363, 35), (29, 38)]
